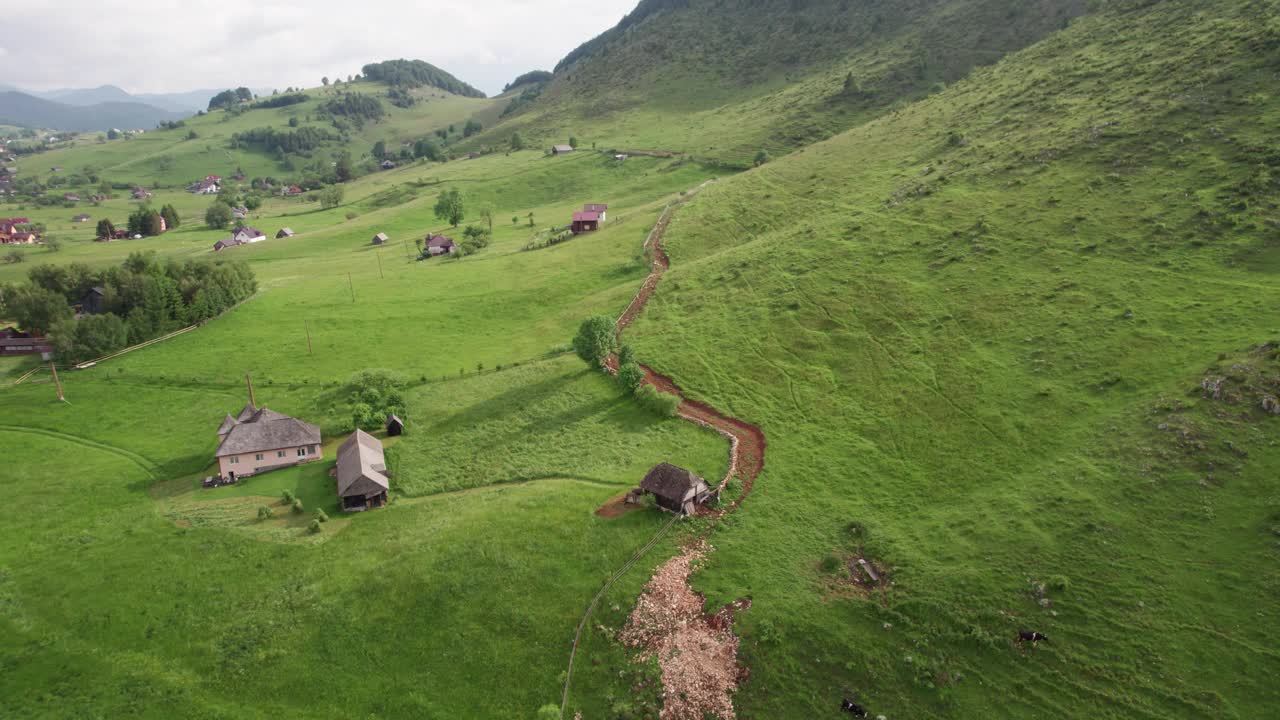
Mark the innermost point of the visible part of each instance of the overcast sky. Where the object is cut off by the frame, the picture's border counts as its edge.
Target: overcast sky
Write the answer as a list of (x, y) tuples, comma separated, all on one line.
[(177, 45)]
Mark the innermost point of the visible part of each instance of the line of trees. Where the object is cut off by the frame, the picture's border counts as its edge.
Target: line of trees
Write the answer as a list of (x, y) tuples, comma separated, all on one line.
[(279, 101), (143, 299), (284, 141), (355, 105), (230, 98), (416, 73)]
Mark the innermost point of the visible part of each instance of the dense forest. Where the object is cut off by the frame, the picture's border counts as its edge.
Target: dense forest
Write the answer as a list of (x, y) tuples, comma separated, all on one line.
[(416, 73), (142, 299)]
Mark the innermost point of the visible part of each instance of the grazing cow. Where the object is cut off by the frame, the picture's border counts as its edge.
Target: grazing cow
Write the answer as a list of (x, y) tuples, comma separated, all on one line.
[(1031, 636), (853, 708)]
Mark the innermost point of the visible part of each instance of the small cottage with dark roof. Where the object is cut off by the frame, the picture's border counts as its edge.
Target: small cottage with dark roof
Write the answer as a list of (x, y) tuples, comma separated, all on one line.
[(585, 221), (395, 426), (284, 233), (439, 245), (601, 208), (561, 149), (675, 489), (258, 440), (362, 473), (380, 239)]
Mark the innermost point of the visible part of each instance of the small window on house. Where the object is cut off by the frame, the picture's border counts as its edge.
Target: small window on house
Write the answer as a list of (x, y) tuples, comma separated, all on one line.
[(235, 460), (302, 452), (258, 456), (279, 453), (313, 449)]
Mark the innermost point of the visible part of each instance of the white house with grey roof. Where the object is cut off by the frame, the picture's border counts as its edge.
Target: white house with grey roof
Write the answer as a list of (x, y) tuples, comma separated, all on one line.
[(362, 472), (258, 440)]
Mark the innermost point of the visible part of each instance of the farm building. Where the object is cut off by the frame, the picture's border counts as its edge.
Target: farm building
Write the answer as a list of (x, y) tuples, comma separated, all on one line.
[(395, 426), (91, 302), (82, 217), (239, 213), (248, 235), (439, 245), (362, 473), (285, 233), (291, 190), (380, 239), (675, 489), (140, 193), (258, 440), (584, 221), (561, 149), (224, 244), (598, 208), (16, 342), (387, 165)]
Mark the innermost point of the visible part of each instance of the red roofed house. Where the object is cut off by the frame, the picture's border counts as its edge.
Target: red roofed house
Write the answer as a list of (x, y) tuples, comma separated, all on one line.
[(599, 208), (585, 221), (439, 245)]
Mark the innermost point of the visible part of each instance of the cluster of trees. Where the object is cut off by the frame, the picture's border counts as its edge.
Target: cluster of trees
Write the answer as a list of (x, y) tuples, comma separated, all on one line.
[(355, 105), (596, 341), (474, 239), (284, 141), (526, 97), (230, 98), (142, 299), (401, 98), (427, 149), (375, 394), (144, 221), (471, 128), (279, 101), (529, 78), (416, 73)]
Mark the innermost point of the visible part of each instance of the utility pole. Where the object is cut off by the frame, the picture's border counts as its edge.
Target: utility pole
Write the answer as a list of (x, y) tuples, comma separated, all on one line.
[(56, 381), (307, 325), (249, 381), (352, 288)]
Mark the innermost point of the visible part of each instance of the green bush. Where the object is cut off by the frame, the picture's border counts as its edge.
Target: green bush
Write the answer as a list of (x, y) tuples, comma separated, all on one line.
[(265, 513), (657, 402), (314, 527), (287, 495), (1059, 583), (830, 564), (322, 516), (594, 340), (630, 376), (626, 355), (297, 507)]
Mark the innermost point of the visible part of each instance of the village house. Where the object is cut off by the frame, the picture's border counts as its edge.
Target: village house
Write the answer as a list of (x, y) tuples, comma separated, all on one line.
[(561, 149), (259, 440), (380, 239), (675, 489), (362, 473), (15, 342), (70, 197), (387, 165), (439, 245), (584, 221), (284, 233), (82, 217), (224, 244), (91, 303), (598, 208), (207, 186), (291, 190), (247, 234), (141, 193)]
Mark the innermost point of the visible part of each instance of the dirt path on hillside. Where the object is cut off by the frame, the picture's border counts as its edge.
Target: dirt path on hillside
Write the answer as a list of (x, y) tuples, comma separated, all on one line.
[(696, 653)]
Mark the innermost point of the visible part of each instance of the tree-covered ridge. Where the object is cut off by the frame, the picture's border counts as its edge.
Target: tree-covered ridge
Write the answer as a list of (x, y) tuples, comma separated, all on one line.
[(290, 141), (529, 78), (417, 73)]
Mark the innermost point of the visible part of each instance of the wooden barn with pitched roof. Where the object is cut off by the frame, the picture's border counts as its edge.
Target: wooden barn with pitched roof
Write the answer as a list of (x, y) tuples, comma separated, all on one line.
[(675, 489), (362, 473)]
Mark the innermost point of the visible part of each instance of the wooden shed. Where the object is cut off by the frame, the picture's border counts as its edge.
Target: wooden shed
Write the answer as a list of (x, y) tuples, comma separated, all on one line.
[(585, 221), (285, 233), (395, 426), (380, 239), (675, 489), (362, 473)]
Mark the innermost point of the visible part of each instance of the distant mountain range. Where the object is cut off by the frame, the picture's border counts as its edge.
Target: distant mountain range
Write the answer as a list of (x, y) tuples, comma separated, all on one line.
[(22, 109), (100, 108)]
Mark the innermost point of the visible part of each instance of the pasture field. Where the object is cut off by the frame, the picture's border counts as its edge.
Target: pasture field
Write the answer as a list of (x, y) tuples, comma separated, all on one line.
[(228, 609), (1012, 339), (984, 373)]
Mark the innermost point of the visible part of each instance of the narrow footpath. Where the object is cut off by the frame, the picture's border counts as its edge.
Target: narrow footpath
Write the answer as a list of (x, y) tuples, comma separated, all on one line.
[(695, 684)]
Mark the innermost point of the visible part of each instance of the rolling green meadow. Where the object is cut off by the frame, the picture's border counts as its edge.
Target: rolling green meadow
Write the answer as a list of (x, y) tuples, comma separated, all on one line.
[(1007, 311)]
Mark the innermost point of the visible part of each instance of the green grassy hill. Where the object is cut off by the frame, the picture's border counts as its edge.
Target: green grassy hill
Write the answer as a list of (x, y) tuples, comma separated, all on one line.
[(978, 328), (1009, 339), (171, 158), (722, 80)]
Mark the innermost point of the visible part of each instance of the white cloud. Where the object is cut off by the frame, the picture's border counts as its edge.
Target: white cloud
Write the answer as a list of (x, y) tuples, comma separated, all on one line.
[(173, 45)]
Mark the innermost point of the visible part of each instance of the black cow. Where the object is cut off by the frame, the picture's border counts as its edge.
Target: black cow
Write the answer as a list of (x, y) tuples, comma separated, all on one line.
[(852, 708), (1031, 636)]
